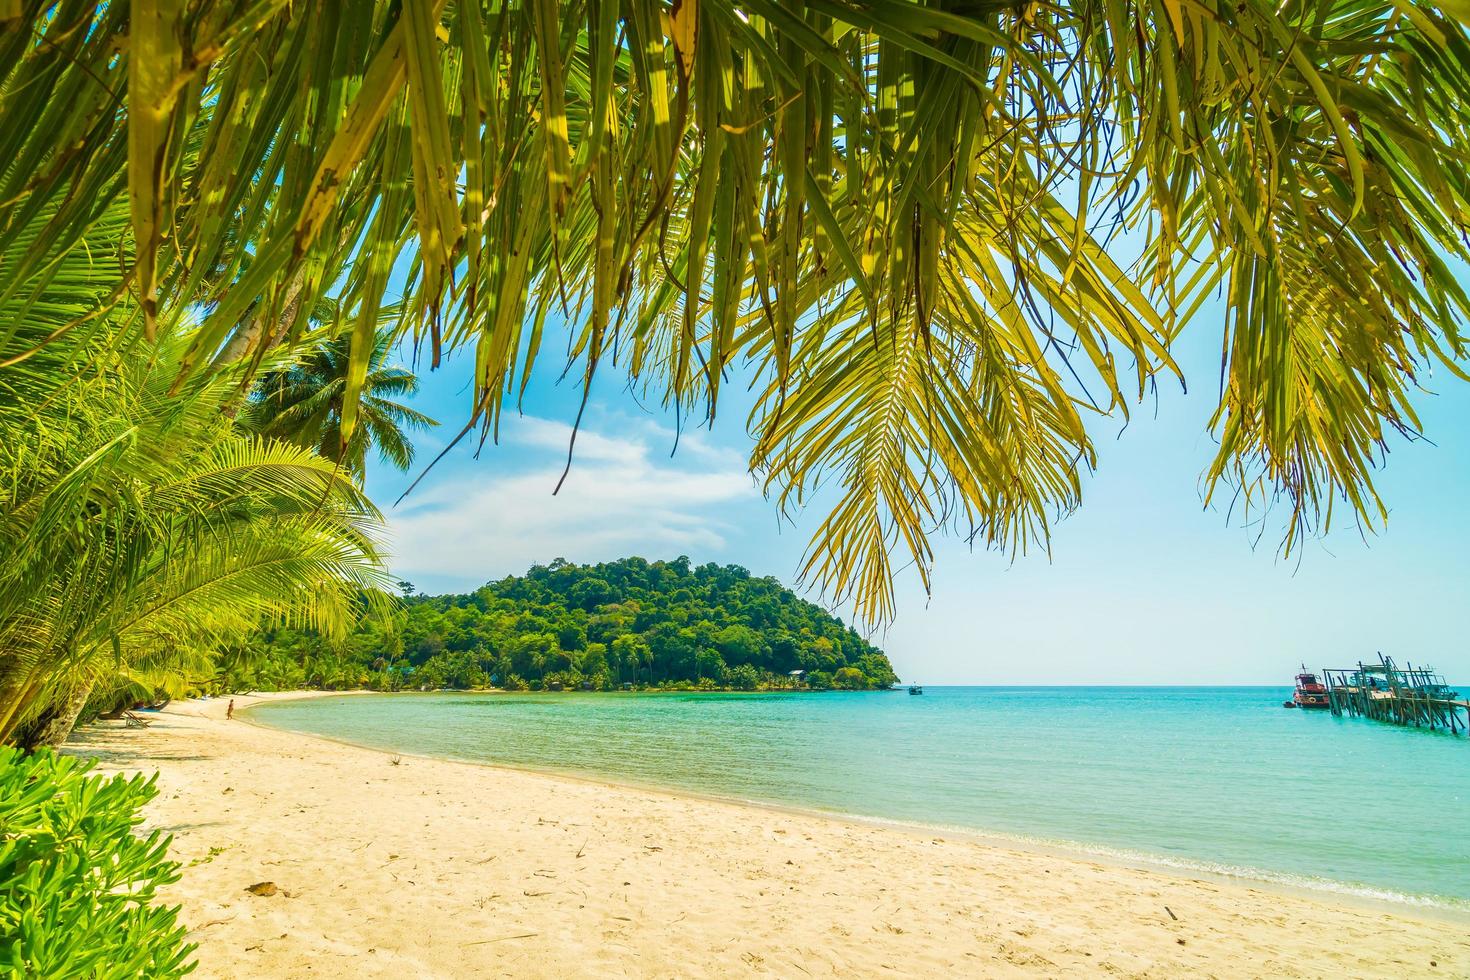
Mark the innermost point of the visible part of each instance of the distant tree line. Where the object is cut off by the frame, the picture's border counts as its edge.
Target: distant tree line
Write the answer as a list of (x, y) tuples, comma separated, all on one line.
[(628, 623)]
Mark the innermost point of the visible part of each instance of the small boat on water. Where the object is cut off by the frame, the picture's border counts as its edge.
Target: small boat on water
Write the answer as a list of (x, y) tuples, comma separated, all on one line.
[(1309, 693), (916, 689)]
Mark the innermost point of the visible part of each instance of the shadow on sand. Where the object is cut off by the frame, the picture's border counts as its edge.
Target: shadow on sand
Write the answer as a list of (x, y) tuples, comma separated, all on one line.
[(116, 744)]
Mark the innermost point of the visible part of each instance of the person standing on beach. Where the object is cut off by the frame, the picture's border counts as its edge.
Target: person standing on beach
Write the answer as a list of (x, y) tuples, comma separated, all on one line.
[(230, 710)]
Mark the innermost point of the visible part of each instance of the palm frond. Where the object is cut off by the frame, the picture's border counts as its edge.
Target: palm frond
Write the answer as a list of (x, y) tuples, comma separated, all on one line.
[(909, 206)]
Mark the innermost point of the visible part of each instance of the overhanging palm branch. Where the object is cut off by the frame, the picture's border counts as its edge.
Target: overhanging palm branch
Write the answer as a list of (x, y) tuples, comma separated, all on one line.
[(897, 212)]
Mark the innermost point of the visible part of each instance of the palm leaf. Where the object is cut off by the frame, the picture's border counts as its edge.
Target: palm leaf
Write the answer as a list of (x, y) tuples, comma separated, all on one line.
[(866, 202)]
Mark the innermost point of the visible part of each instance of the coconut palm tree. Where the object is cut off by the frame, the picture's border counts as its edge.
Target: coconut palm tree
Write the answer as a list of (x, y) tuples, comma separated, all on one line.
[(140, 527), (139, 537), (303, 404), (942, 236)]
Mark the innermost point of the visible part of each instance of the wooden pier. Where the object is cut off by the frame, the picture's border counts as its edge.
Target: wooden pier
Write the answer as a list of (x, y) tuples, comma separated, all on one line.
[(1409, 695)]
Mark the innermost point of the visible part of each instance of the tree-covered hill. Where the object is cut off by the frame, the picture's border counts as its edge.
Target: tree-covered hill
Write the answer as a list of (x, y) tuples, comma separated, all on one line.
[(661, 624)]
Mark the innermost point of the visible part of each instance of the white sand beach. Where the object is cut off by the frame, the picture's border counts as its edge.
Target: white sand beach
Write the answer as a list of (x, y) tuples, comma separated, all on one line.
[(410, 867)]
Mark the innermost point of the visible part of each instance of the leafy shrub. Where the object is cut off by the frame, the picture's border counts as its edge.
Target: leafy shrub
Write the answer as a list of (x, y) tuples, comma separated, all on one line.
[(76, 885)]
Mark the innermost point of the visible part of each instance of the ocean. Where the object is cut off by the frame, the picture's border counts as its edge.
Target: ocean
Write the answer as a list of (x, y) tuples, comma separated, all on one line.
[(1211, 779)]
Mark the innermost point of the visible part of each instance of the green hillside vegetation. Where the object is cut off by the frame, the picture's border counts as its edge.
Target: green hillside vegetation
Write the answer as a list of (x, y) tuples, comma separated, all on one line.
[(663, 625)]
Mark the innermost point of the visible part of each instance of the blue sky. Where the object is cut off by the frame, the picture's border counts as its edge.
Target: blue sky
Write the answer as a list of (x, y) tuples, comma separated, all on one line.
[(1142, 586)]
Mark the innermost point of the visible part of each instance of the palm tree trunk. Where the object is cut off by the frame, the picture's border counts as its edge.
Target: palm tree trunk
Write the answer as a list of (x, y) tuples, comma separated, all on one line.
[(248, 334), (13, 701), (54, 724)]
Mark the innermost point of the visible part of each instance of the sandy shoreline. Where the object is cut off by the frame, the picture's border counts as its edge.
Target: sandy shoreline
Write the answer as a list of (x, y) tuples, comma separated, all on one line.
[(437, 869), (1386, 901)]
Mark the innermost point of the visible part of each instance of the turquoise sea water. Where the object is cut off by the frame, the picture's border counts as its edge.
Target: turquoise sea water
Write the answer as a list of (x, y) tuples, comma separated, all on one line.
[(1222, 779)]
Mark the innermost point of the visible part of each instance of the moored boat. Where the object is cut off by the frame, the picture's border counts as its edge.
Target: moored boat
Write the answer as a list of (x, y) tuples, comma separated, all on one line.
[(1310, 693), (916, 689)]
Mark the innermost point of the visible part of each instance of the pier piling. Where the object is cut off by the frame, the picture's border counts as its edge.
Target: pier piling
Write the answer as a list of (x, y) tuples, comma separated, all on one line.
[(1405, 695)]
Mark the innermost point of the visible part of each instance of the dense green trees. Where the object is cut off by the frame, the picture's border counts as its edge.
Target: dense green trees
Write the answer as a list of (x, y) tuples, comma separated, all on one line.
[(629, 622)]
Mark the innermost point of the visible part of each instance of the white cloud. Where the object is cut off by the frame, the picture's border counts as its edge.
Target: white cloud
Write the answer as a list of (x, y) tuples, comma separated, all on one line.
[(624, 496), (591, 446)]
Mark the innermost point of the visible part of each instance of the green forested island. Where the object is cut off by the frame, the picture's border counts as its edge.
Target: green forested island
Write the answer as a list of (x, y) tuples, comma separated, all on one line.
[(629, 623)]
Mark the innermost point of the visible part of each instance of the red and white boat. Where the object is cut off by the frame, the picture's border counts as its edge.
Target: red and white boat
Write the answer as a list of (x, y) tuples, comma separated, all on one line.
[(1310, 693)]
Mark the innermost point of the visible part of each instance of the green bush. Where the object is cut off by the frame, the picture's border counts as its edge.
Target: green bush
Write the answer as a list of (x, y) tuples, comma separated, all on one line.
[(76, 885)]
